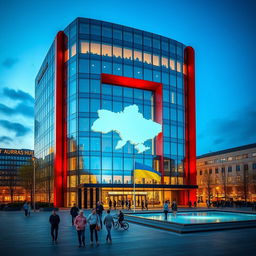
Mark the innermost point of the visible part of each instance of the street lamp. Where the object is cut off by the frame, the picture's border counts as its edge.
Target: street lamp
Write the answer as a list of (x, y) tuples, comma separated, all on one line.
[(34, 183)]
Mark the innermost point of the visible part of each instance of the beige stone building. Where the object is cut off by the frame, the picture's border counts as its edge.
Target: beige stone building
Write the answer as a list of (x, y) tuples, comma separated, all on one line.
[(227, 175)]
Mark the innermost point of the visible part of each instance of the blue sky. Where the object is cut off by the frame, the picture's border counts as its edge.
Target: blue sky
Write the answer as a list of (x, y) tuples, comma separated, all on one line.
[(221, 31)]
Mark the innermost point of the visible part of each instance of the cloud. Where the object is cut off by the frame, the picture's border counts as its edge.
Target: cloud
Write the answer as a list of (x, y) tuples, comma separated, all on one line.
[(17, 128), (21, 108), (18, 95), (5, 139), (9, 62)]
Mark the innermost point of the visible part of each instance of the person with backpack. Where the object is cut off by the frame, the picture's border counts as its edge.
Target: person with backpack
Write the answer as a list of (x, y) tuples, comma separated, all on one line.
[(166, 209), (80, 222)]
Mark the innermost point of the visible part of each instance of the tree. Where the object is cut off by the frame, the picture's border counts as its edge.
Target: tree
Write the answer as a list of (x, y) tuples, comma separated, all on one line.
[(208, 183), (11, 184), (245, 181), (26, 175)]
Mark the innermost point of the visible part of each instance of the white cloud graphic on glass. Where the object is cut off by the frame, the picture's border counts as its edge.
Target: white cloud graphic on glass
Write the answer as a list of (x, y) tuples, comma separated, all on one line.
[(129, 124)]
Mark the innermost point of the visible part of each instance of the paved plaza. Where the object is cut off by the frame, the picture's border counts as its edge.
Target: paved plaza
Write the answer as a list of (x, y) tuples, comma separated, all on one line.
[(21, 235)]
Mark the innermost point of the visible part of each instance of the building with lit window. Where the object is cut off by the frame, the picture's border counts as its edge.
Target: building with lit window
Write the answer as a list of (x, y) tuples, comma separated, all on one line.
[(227, 174), (94, 65), (10, 162)]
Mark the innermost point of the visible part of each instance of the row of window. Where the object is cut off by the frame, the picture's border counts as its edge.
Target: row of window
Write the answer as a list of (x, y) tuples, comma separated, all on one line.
[(120, 53), (229, 169), (137, 37), (15, 157)]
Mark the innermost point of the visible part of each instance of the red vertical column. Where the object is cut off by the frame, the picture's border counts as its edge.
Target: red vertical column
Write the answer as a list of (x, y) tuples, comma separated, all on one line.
[(60, 161), (190, 118)]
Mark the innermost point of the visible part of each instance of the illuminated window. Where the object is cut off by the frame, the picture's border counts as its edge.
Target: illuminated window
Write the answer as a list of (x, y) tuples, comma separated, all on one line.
[(72, 163), (66, 58), (72, 181), (172, 64), (137, 55), (164, 62), (127, 53), (147, 58), (178, 66), (117, 52), (184, 69), (106, 50), (84, 47), (155, 60), (73, 50), (95, 48), (173, 97)]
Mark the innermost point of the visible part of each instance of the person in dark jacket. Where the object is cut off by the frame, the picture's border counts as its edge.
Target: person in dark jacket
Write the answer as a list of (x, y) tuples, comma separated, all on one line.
[(99, 211), (54, 220), (74, 212), (174, 208), (110, 204), (121, 218), (115, 204)]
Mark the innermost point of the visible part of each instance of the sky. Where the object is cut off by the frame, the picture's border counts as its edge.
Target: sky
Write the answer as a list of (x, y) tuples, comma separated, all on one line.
[(222, 32)]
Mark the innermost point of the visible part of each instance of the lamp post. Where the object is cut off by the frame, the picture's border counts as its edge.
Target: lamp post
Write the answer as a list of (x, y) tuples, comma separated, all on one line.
[(34, 183)]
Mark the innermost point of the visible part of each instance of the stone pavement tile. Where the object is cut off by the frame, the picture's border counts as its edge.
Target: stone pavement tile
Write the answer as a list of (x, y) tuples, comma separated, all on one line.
[(21, 235)]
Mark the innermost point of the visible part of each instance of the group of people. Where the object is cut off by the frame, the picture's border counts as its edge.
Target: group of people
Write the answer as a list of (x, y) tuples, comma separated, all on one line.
[(94, 220), (127, 204), (174, 208), (190, 204)]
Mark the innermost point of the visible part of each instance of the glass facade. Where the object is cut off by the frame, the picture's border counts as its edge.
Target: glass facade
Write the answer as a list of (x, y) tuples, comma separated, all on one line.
[(92, 48)]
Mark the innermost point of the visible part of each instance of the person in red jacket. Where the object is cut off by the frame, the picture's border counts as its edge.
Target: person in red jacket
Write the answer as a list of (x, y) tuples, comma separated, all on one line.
[(80, 222)]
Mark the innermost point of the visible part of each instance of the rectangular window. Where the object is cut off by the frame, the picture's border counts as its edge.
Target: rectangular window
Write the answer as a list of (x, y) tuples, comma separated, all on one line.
[(173, 98), (172, 64), (73, 50), (84, 47), (137, 55), (164, 62), (216, 170), (229, 168), (117, 34), (106, 32), (210, 171), (254, 166), (128, 36), (95, 30), (223, 169), (246, 167), (95, 48), (117, 52), (237, 168), (128, 54), (106, 50), (147, 58), (155, 60), (178, 66), (137, 39)]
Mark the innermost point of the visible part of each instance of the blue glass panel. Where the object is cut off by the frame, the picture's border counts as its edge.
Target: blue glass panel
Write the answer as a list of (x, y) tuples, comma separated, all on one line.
[(95, 105), (84, 85), (106, 67), (83, 105), (95, 67), (95, 30), (95, 86), (117, 69), (83, 66), (95, 162), (84, 124), (83, 142), (106, 163), (95, 144)]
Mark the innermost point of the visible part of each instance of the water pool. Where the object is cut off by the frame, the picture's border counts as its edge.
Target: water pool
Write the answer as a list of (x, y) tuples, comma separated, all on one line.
[(199, 217)]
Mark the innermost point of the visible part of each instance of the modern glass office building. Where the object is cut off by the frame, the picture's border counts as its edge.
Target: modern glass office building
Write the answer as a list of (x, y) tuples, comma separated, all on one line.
[(10, 162), (94, 65)]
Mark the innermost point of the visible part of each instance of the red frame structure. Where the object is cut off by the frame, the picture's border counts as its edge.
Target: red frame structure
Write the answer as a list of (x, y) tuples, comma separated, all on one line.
[(60, 153), (157, 88)]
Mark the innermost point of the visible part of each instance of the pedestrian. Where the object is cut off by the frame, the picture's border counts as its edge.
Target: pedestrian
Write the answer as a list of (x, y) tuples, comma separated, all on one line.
[(174, 207), (25, 207), (74, 212), (142, 205), (80, 222), (29, 209), (122, 203), (146, 204), (189, 204), (109, 222), (129, 205), (110, 204), (121, 218), (195, 204), (166, 209), (54, 220), (115, 204), (138, 202), (93, 220), (99, 211)]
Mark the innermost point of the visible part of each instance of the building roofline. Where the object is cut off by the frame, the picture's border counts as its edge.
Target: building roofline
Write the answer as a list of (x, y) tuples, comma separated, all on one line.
[(230, 150)]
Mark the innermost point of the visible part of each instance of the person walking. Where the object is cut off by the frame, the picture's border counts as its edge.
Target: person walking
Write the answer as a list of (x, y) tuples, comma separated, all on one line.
[(25, 207), (129, 205), (174, 208), (74, 212), (195, 204), (115, 204), (146, 204), (108, 222), (166, 209), (99, 211), (142, 205), (54, 220), (80, 222), (93, 220), (110, 204), (29, 209), (122, 203)]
